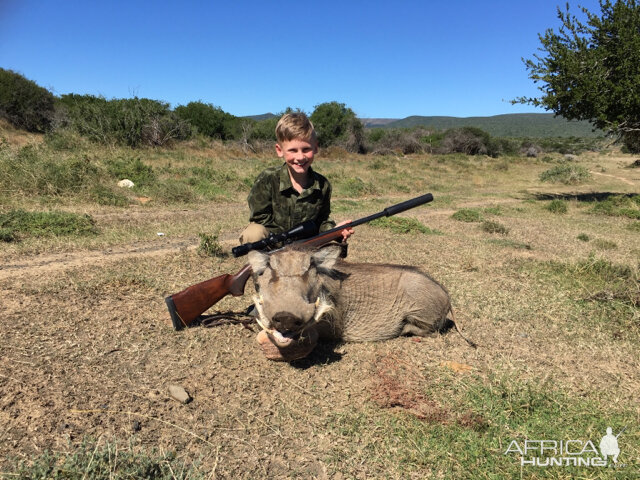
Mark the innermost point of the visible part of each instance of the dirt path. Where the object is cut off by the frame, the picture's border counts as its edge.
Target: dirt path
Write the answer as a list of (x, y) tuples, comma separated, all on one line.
[(51, 263), (623, 180)]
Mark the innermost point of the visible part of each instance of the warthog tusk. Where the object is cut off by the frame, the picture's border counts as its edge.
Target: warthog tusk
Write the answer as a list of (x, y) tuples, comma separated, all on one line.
[(258, 301), (322, 307)]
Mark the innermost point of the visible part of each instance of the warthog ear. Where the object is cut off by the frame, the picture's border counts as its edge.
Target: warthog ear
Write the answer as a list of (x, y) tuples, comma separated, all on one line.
[(326, 257), (258, 261)]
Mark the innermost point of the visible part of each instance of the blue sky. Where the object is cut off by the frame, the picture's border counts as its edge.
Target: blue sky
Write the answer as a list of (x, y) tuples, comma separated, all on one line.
[(382, 59)]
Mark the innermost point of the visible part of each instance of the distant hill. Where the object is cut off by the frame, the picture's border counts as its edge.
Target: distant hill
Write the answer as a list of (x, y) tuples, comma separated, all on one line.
[(259, 118), (509, 125)]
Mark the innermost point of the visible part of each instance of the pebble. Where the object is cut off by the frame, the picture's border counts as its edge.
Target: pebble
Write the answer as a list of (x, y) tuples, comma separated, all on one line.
[(180, 394)]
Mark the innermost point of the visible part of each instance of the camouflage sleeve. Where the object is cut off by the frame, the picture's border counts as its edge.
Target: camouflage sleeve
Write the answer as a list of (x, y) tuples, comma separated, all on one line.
[(261, 201), (324, 222)]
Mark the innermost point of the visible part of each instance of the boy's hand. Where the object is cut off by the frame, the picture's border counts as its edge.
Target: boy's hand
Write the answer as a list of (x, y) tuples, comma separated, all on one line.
[(347, 232)]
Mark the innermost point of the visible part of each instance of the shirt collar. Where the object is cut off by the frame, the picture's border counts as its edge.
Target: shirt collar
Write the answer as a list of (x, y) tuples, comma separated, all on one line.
[(285, 180)]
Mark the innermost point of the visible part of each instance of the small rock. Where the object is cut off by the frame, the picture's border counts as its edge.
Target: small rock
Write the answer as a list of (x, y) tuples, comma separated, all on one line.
[(532, 152), (126, 183), (136, 427), (180, 394)]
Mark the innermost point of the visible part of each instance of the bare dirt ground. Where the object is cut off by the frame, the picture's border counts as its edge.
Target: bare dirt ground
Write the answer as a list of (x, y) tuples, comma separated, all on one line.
[(88, 349)]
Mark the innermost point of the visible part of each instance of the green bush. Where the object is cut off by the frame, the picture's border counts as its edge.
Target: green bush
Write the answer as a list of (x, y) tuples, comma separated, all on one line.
[(557, 206), (400, 140), (470, 141), (567, 174), (494, 227), (467, 215), (25, 104), (210, 246), (583, 237), (133, 122), (19, 223)]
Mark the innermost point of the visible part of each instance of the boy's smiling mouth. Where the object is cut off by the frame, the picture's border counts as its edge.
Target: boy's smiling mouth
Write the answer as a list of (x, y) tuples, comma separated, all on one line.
[(301, 163)]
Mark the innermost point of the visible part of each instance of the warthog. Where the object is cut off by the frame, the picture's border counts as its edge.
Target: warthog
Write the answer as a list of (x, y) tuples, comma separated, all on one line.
[(300, 289)]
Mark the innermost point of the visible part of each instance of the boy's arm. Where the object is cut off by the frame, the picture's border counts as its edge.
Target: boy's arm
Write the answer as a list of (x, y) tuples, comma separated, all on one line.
[(260, 202)]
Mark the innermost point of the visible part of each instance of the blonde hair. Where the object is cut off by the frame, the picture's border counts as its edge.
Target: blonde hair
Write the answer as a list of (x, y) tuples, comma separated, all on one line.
[(296, 125)]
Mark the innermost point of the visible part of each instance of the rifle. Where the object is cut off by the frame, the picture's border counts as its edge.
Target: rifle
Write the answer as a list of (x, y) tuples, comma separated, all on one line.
[(186, 306)]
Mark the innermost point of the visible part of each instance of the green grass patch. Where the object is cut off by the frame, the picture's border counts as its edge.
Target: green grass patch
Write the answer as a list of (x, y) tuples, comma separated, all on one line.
[(354, 187), (402, 225), (634, 227), (603, 294), (172, 191), (497, 210), (17, 224), (566, 174), (557, 206), (504, 242), (34, 170), (344, 205), (583, 237), (494, 227), (619, 206), (603, 244), (131, 168), (103, 462), (476, 421), (467, 215), (103, 195)]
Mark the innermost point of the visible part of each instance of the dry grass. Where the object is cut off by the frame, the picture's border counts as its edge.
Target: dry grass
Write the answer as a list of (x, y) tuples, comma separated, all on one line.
[(88, 349)]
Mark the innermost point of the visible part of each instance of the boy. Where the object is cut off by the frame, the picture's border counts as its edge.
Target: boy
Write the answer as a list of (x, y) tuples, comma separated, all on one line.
[(287, 195)]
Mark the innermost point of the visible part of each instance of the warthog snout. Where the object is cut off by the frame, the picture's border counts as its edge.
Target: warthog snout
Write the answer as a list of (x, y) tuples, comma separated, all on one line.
[(287, 322)]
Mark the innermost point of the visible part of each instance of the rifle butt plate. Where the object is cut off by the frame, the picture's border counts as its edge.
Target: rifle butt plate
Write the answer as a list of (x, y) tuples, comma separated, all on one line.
[(178, 324)]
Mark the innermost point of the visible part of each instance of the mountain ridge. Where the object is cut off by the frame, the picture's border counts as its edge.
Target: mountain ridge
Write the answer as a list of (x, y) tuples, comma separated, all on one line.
[(504, 125)]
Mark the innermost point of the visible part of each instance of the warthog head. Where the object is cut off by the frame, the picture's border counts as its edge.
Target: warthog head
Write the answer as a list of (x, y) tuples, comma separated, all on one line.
[(290, 295)]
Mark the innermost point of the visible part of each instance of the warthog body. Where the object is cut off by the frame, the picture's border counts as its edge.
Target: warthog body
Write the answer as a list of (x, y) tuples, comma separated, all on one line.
[(300, 289)]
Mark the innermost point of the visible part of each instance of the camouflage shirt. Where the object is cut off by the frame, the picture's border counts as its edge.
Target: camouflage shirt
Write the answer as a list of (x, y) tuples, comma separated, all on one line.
[(275, 204)]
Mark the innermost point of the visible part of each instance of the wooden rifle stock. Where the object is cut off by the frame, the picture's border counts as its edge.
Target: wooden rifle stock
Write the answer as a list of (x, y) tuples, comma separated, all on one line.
[(186, 306), (190, 303)]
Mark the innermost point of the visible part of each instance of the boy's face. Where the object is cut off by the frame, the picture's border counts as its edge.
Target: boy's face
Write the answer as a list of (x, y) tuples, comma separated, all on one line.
[(298, 154)]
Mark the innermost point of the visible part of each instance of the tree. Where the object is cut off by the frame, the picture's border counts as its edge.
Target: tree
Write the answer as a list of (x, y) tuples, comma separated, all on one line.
[(210, 120), (25, 104), (334, 121), (591, 70)]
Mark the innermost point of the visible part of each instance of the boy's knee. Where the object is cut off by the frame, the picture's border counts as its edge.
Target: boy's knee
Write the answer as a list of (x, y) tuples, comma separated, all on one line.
[(254, 233)]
